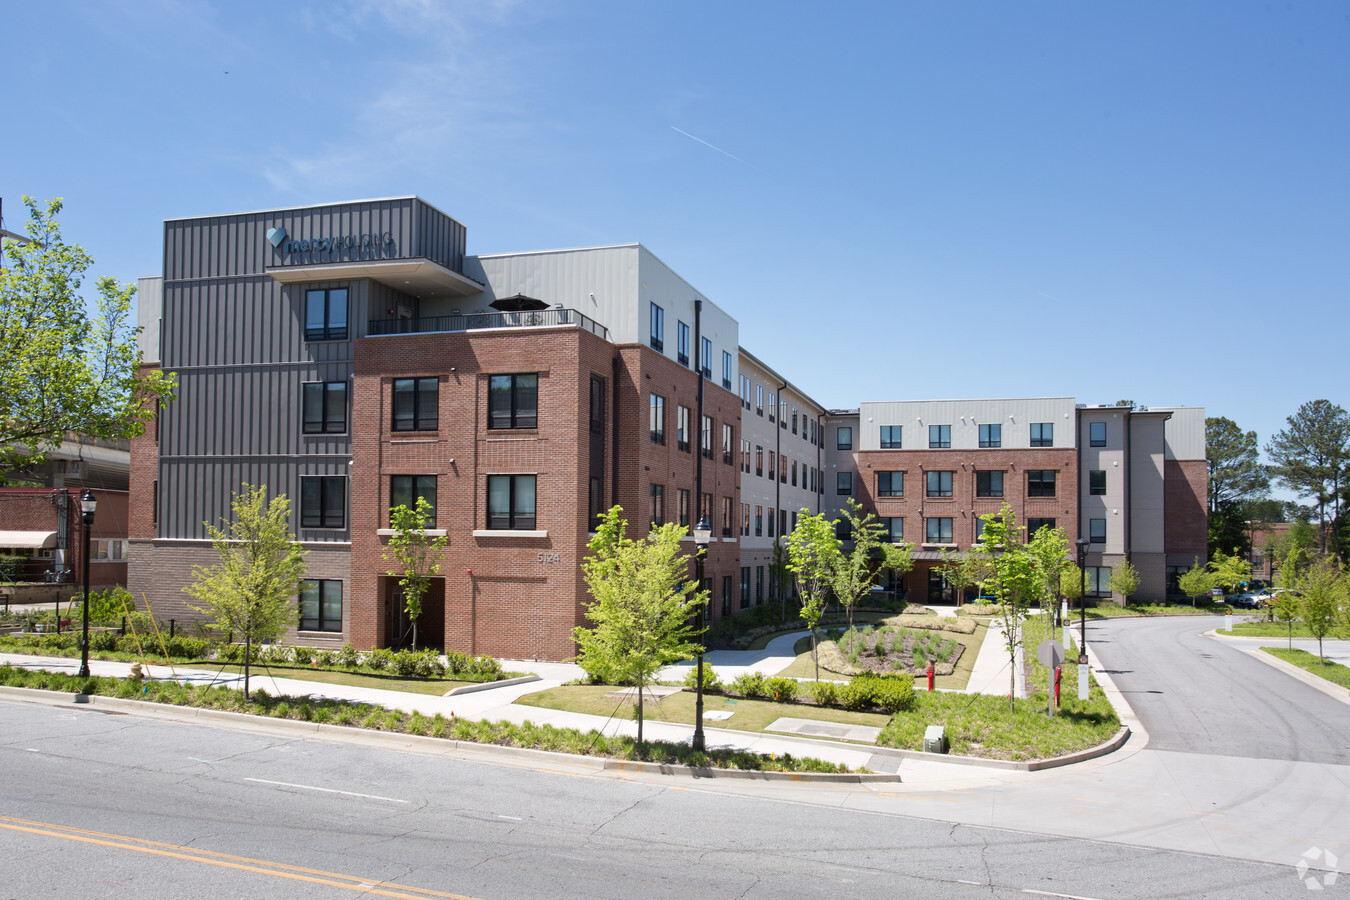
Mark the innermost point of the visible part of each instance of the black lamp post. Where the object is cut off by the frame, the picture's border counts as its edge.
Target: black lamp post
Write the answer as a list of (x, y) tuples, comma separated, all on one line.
[(1082, 591), (87, 506), (702, 534)]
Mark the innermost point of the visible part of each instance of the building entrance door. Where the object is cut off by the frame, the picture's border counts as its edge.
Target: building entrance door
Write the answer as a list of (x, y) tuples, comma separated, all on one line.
[(939, 591)]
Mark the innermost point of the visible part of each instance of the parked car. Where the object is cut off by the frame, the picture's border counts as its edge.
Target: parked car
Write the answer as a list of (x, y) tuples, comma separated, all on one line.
[(1246, 600)]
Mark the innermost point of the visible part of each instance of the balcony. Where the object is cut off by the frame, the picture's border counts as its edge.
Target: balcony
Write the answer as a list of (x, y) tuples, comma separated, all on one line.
[(535, 318)]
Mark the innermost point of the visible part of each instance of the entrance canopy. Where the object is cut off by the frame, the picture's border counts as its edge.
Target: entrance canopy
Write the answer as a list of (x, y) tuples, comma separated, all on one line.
[(28, 540)]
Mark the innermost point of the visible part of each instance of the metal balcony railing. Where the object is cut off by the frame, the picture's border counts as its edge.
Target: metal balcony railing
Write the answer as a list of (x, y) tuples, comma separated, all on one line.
[(475, 321)]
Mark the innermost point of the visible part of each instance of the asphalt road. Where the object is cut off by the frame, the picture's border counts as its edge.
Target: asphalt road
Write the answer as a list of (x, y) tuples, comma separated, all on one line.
[(116, 806)]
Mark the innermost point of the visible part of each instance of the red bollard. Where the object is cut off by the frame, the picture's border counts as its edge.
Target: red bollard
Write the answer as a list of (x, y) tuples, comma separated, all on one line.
[(930, 677), (1059, 672)]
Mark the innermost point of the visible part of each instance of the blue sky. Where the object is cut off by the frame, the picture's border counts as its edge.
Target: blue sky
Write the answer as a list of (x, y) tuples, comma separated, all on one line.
[(895, 200)]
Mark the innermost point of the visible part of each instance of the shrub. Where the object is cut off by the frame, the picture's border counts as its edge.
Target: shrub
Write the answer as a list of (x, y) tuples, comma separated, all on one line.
[(711, 683), (347, 657), (855, 695), (103, 641), (404, 664), (825, 693), (380, 659), (303, 656), (325, 658), (783, 690), (891, 694), (750, 684)]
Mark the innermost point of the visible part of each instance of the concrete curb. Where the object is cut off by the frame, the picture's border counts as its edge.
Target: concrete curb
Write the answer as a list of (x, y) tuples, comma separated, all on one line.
[(1331, 689), (1008, 765), (489, 685), (420, 743)]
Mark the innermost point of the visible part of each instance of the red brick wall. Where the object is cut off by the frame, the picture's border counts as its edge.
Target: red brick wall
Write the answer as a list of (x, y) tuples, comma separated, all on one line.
[(37, 509), (1185, 505)]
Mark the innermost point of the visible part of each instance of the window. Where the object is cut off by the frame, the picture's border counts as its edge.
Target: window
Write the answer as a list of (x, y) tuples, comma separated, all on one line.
[(980, 522), (1035, 525), (728, 444), (1097, 482), (782, 469), (794, 520), (745, 520), (772, 403), (759, 583), (728, 516), (939, 437), (1042, 434), (989, 483), (726, 595), (745, 391), (794, 420), (325, 407), (772, 473), (404, 490), (759, 399), (892, 530), (658, 495), (706, 347), (782, 522), (843, 530), (595, 504), (939, 531), (705, 437), (1097, 434), (1098, 580), (415, 404), (323, 501), (1097, 531), (658, 419), (843, 437), (597, 405), (682, 414), (326, 314), (759, 521), (890, 437), (991, 436), (320, 604), (726, 370), (939, 484), (510, 505), (759, 460), (513, 401), (770, 519), (684, 507), (745, 586), (745, 456), (682, 343), (107, 550), (658, 328), (815, 431), (794, 473), (1040, 482), (844, 483), (890, 484)]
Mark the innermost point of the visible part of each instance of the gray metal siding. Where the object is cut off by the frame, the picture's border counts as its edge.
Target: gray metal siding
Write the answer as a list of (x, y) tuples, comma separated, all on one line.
[(193, 492)]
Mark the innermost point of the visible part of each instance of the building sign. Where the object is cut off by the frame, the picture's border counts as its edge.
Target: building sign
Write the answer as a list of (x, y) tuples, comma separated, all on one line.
[(364, 244)]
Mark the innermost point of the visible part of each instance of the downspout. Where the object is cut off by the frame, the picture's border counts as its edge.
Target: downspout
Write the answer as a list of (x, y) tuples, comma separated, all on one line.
[(820, 460), (614, 431), (698, 367), (778, 448)]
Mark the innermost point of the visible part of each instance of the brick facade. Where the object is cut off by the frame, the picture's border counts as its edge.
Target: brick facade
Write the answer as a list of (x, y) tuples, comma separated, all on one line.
[(42, 510)]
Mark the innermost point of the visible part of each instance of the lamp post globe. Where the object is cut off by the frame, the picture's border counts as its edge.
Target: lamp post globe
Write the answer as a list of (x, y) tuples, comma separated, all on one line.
[(88, 505), (702, 535)]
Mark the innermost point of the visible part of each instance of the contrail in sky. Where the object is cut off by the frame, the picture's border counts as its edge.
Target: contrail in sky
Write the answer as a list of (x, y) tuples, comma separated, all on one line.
[(720, 150)]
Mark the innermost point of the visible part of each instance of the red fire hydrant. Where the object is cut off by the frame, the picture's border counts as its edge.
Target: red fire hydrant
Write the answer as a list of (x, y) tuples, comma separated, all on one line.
[(1059, 672), (930, 676)]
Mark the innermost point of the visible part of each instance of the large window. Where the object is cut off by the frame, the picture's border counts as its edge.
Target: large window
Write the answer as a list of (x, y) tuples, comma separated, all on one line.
[(682, 414), (658, 495), (684, 507), (1098, 580), (939, 437), (726, 595), (728, 516), (1097, 531), (658, 327), (658, 419), (1042, 434), (939, 531), (772, 403), (939, 484), (597, 405), (890, 437), (326, 314), (320, 604), (415, 404), (595, 505), (404, 490), (991, 435), (1040, 482), (759, 399), (325, 407), (1097, 434), (759, 521), (682, 342), (1034, 525), (513, 401), (510, 505), (728, 444), (844, 483), (1097, 482), (705, 437), (705, 351), (323, 501), (759, 460), (890, 484), (893, 529), (989, 483), (843, 437), (726, 370)]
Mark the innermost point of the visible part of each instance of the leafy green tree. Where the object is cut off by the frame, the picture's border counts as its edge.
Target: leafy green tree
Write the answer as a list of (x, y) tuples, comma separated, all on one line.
[(1321, 589), (855, 571), (1285, 608), (813, 552), (252, 592), (1049, 549), (778, 564), (61, 369), (1230, 572), (1124, 579), (1311, 456), (1015, 580), (1196, 581), (417, 553), (644, 601), (964, 570)]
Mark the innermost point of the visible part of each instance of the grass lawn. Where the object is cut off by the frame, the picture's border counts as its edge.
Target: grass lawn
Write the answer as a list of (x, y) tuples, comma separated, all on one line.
[(433, 686), (860, 617), (1108, 611), (802, 667), (746, 715), (1331, 671), (1268, 629)]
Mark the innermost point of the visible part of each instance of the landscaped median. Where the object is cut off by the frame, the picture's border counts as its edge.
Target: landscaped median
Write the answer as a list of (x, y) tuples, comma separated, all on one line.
[(1333, 672)]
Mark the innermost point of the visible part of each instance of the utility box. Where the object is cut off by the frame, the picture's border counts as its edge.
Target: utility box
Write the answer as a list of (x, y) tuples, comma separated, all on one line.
[(935, 739)]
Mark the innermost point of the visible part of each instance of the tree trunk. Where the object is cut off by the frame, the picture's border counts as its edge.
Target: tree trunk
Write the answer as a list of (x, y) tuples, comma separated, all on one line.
[(639, 709), (815, 658), (248, 651)]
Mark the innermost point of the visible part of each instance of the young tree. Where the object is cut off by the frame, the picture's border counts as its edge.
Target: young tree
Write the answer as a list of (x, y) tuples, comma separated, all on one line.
[(417, 554), (1196, 581), (61, 369), (1049, 548), (1310, 457), (855, 571), (644, 601), (1321, 589), (1124, 579), (813, 551), (1015, 579), (779, 566), (1230, 572), (1236, 480), (1285, 608), (252, 592), (964, 570)]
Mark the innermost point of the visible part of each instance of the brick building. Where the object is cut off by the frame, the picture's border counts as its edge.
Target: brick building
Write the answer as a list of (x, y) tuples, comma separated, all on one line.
[(45, 528)]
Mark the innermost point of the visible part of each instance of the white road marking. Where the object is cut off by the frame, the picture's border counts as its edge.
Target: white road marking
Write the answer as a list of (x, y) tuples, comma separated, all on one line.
[(512, 818), (1053, 894), (963, 881), (310, 787)]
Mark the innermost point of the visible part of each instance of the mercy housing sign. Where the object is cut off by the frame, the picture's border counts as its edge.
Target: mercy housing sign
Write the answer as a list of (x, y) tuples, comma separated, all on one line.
[(343, 244)]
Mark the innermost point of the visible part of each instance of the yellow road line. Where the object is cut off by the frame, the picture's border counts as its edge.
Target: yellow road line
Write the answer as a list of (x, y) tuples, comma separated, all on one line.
[(225, 860)]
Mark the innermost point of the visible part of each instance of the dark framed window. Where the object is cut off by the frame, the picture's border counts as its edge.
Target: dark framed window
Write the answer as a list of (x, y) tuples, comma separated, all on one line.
[(325, 407), (658, 495), (658, 327), (759, 583), (1097, 482), (890, 437), (728, 516), (989, 483), (844, 483), (991, 436), (326, 314), (658, 419), (794, 420), (770, 520), (794, 473), (939, 484), (893, 529), (1042, 434), (939, 531), (890, 484), (843, 437), (513, 401), (682, 343), (1097, 531), (759, 460), (939, 437), (843, 530), (745, 586), (759, 399), (1035, 525), (323, 501), (405, 489), (511, 502), (728, 444), (726, 595), (682, 414), (1098, 580), (320, 604), (415, 403), (595, 506), (1097, 434), (782, 522), (772, 404), (980, 522), (705, 437), (726, 370), (597, 404), (705, 350), (759, 521), (1040, 482)]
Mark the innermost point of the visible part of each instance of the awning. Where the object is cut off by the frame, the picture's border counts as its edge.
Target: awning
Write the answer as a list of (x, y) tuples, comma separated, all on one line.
[(28, 540)]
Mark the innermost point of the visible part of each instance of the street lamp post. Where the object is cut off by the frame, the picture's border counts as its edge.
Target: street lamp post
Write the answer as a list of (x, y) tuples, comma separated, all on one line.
[(702, 534), (87, 506), (1082, 591)]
